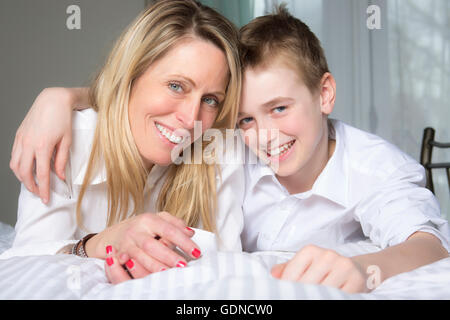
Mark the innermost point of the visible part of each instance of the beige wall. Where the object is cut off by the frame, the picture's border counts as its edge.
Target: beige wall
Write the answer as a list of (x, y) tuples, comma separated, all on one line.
[(37, 51)]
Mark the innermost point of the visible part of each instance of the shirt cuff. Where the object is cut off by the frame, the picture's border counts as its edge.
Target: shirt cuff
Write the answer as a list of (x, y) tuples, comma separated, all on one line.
[(405, 235), (36, 249)]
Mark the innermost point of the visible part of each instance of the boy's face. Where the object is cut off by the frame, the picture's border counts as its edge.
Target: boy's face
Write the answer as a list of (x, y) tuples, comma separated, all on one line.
[(274, 97)]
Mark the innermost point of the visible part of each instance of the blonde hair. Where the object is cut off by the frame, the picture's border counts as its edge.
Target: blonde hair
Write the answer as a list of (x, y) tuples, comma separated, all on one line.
[(280, 35), (189, 191)]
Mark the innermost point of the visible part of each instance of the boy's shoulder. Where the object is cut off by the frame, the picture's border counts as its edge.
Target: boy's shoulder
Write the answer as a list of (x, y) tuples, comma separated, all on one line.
[(369, 153)]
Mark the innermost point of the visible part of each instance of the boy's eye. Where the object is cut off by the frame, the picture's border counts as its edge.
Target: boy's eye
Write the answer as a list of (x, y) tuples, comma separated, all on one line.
[(279, 109), (175, 87), (211, 101), (245, 121)]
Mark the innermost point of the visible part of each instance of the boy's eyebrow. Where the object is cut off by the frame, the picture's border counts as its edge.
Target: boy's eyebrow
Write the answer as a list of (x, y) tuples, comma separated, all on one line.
[(271, 103), (276, 101)]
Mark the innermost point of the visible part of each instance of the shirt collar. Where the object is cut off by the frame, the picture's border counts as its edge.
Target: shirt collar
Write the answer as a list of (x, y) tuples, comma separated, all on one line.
[(258, 171), (332, 182)]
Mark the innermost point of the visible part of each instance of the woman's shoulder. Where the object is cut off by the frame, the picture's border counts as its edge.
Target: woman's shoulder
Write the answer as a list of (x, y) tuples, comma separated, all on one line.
[(84, 119)]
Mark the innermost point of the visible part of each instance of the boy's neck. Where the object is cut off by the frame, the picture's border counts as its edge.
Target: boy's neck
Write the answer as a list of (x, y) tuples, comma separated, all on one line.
[(304, 179)]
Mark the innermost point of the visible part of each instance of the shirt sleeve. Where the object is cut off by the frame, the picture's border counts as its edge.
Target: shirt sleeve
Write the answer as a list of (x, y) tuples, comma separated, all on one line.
[(401, 206), (44, 229), (230, 196)]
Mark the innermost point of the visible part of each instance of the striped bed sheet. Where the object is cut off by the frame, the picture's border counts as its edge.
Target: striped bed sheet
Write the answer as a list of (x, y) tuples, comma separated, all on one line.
[(218, 275)]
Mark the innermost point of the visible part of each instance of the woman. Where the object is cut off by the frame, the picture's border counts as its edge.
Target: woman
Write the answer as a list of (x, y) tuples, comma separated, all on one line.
[(177, 63)]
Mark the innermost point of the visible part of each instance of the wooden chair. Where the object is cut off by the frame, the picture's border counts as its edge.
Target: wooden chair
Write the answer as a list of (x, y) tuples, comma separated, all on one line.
[(428, 143)]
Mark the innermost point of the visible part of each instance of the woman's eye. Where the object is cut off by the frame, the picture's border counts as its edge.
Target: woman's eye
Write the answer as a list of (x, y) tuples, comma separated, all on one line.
[(211, 101), (175, 87), (279, 109)]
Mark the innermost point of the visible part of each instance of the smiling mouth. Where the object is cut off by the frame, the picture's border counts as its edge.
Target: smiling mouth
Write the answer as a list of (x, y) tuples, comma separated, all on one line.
[(281, 149), (168, 134)]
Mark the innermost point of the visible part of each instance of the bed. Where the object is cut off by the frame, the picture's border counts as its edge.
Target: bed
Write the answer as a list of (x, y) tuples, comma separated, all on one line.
[(217, 275)]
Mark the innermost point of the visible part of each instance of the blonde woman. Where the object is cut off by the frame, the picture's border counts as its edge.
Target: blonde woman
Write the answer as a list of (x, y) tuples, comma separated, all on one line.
[(121, 198)]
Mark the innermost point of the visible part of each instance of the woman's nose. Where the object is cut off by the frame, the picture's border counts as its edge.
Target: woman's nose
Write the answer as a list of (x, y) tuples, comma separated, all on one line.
[(188, 113)]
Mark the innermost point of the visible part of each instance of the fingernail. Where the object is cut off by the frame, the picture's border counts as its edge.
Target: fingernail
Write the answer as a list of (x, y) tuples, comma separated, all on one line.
[(109, 261), (190, 229), (108, 249), (163, 269), (130, 264), (181, 264), (196, 253)]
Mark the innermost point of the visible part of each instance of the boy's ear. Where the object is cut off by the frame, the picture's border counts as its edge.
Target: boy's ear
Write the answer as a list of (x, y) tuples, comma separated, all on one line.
[(327, 93)]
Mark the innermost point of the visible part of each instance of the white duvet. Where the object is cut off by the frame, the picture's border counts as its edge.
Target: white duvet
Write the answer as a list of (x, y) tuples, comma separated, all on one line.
[(217, 275)]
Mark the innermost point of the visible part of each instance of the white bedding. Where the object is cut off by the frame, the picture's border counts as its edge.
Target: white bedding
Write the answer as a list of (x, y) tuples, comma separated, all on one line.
[(217, 275)]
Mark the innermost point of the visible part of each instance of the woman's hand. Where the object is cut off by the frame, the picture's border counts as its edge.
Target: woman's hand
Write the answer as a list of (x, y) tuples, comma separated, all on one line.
[(316, 265), (144, 244), (47, 128)]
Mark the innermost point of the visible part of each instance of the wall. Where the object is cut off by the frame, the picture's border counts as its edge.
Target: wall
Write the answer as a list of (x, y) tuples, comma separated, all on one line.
[(38, 51)]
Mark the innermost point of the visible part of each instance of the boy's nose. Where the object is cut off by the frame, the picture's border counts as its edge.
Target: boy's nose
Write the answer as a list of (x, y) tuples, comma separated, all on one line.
[(267, 135)]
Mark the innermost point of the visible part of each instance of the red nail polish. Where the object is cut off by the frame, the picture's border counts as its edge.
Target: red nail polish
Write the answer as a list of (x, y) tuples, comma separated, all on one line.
[(109, 261), (108, 249), (196, 253), (130, 264), (189, 229), (181, 264)]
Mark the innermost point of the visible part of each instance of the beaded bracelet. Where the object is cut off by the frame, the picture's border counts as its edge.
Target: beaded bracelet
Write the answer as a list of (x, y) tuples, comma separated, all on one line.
[(79, 248)]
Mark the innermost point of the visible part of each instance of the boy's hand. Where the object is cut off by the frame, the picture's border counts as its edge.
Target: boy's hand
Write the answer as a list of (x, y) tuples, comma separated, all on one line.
[(316, 265)]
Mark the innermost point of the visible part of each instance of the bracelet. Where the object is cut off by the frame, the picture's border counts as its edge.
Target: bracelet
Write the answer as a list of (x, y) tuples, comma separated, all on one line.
[(79, 248)]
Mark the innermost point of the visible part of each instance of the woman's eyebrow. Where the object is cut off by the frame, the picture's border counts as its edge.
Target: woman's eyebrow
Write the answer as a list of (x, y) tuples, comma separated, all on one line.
[(192, 83)]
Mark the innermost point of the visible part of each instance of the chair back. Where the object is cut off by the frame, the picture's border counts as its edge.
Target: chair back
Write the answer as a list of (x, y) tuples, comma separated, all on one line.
[(428, 143)]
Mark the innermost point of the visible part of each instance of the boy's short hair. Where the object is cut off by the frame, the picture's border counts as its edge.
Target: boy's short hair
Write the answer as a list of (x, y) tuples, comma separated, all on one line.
[(282, 35)]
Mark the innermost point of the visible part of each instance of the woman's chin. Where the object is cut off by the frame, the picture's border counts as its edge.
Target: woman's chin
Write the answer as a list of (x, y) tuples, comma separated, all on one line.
[(162, 161)]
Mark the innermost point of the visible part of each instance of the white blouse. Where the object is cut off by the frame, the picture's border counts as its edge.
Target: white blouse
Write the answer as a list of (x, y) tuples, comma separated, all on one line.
[(44, 229), (368, 189)]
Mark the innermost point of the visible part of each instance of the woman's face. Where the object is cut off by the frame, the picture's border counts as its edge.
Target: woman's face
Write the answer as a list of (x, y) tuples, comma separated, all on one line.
[(187, 84)]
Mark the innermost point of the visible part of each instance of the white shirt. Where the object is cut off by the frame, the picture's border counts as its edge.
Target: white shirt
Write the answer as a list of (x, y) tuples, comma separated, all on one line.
[(44, 229), (368, 189)]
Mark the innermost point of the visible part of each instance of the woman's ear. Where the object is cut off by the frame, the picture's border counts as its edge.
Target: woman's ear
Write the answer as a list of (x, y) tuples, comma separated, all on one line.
[(327, 93)]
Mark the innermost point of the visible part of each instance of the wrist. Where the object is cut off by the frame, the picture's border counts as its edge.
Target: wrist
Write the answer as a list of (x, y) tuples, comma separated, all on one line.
[(370, 267), (90, 247)]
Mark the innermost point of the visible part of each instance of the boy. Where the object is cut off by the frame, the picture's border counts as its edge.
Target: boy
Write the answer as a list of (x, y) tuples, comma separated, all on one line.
[(331, 183)]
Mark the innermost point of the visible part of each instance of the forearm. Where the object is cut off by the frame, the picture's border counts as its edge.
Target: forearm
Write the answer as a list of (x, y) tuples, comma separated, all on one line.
[(420, 249), (79, 98)]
